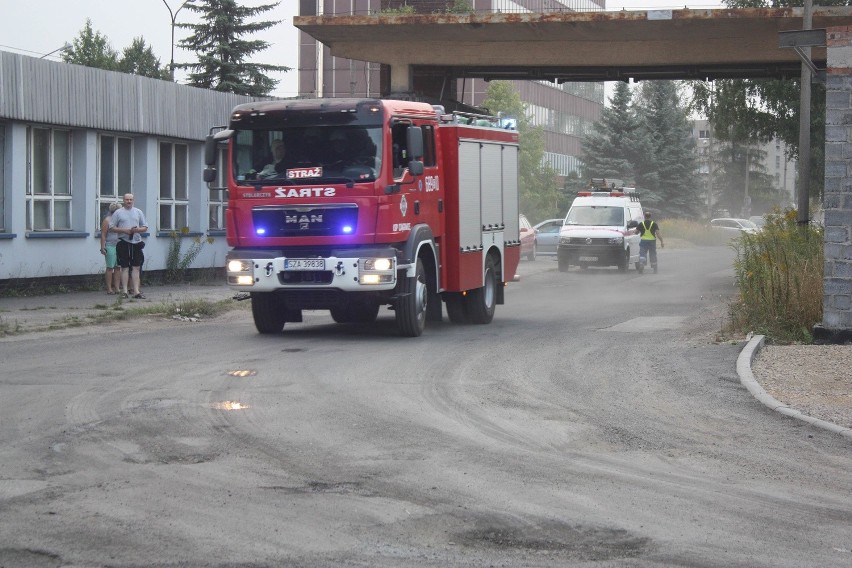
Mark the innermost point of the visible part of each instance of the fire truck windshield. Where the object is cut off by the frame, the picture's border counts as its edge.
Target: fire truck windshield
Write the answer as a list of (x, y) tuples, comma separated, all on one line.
[(592, 216), (307, 154)]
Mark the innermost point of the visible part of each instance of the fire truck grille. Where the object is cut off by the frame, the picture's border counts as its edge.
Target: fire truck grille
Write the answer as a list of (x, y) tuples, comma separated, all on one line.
[(282, 221), (313, 299), (305, 277)]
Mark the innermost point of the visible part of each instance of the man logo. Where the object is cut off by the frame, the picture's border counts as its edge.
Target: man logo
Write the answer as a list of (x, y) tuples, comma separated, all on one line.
[(304, 221)]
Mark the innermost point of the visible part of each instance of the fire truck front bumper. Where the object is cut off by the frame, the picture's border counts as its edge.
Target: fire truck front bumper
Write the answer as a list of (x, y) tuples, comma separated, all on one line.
[(374, 270)]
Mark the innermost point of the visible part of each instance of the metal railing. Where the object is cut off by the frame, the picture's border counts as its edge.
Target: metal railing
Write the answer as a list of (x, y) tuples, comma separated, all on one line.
[(437, 7)]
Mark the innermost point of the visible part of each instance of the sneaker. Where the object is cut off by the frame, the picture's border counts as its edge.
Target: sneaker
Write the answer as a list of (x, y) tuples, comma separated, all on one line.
[(125, 295), (139, 296)]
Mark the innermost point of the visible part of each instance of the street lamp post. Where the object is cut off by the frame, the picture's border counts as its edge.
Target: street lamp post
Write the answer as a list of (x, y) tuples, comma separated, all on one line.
[(174, 17), (65, 47)]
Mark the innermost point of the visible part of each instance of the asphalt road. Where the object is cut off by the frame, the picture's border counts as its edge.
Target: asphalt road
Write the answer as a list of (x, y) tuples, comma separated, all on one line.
[(595, 422)]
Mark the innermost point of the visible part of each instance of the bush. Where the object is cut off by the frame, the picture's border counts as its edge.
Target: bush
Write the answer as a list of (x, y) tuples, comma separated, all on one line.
[(177, 261), (779, 275)]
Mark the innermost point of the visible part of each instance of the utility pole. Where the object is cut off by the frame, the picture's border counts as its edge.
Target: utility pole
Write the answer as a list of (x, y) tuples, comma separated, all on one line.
[(174, 17), (805, 125)]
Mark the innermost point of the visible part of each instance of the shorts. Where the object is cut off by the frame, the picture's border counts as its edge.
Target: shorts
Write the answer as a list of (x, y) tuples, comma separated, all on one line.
[(129, 254), (111, 257)]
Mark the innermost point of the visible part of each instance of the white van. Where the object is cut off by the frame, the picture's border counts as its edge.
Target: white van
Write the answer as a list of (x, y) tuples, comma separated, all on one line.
[(600, 229)]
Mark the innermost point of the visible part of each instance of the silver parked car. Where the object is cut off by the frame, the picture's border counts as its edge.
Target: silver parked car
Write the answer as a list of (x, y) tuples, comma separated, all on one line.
[(547, 236), (733, 226)]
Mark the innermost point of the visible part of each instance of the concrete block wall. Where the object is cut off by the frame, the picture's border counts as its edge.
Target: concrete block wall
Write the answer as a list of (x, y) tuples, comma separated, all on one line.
[(837, 278)]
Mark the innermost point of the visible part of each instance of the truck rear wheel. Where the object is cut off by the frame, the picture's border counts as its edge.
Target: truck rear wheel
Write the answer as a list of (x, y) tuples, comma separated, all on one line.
[(481, 303), (267, 311), (455, 308), (411, 306)]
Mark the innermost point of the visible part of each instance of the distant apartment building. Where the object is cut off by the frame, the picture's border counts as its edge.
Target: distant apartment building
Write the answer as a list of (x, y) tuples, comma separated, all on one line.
[(566, 112), (781, 169)]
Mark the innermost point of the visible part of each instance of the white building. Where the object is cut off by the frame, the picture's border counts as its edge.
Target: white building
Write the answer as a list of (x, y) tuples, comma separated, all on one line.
[(74, 139)]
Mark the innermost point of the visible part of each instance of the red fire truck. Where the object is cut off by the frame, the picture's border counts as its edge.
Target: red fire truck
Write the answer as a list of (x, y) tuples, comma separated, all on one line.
[(351, 204)]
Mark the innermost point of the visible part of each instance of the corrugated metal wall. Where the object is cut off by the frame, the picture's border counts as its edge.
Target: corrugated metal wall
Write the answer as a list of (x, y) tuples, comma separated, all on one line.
[(50, 92)]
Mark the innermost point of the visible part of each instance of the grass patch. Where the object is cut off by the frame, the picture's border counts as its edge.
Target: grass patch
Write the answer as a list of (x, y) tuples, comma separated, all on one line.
[(695, 232)]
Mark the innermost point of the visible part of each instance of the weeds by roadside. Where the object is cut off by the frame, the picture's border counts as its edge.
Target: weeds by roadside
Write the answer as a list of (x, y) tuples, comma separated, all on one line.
[(779, 275)]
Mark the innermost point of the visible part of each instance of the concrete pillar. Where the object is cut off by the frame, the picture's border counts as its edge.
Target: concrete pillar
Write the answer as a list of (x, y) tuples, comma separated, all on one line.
[(836, 326), (401, 80)]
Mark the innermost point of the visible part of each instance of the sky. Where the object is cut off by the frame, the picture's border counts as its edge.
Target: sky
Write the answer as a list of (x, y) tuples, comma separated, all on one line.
[(120, 21)]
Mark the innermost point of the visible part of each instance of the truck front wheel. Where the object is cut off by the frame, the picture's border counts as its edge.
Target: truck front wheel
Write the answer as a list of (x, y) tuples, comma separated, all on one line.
[(481, 303), (268, 313), (411, 305)]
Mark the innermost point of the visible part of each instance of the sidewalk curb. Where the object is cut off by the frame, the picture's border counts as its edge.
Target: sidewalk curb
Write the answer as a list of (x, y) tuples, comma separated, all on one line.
[(744, 362)]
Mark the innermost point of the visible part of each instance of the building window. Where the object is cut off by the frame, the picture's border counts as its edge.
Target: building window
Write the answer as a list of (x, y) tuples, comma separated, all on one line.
[(703, 134), (218, 198), (174, 200), (115, 171), (2, 178), (48, 179)]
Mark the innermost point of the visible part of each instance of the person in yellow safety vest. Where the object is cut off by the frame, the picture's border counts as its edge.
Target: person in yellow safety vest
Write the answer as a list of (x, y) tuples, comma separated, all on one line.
[(650, 234)]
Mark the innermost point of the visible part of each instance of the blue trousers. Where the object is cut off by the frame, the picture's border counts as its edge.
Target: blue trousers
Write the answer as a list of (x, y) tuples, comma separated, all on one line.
[(647, 248)]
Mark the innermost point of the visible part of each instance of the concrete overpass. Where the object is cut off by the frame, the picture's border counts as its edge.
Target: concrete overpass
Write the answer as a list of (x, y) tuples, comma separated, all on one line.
[(573, 46)]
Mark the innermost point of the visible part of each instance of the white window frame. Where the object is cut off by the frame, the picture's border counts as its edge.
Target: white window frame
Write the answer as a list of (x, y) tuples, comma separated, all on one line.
[(217, 205), (2, 178), (111, 188), (173, 202), (50, 194)]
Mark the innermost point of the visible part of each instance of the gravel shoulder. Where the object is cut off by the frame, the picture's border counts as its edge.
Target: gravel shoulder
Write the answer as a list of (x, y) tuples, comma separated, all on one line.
[(814, 379)]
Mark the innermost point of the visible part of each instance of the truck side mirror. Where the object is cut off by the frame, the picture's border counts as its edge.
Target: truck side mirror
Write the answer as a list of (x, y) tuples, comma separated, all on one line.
[(415, 167), (210, 151), (209, 174), (414, 135)]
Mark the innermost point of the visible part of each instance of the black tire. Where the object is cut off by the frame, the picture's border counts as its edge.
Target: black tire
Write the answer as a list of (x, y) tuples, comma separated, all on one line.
[(624, 264), (268, 312), (481, 303), (411, 306), (563, 264), (533, 253), (455, 308), (340, 314)]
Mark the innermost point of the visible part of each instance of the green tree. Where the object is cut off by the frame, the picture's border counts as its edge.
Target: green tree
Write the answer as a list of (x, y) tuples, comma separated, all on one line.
[(767, 108), (139, 59), (611, 149), (223, 56), (539, 188), (92, 49), (666, 167)]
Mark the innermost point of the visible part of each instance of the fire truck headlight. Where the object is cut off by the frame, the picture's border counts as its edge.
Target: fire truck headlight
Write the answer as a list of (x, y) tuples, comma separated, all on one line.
[(240, 272), (376, 270), (239, 266)]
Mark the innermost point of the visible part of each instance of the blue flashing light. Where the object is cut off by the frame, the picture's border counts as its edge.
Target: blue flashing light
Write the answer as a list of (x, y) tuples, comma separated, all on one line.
[(261, 231), (347, 229)]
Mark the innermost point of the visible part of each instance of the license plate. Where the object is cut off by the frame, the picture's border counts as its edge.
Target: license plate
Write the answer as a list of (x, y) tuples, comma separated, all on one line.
[(588, 259), (304, 264)]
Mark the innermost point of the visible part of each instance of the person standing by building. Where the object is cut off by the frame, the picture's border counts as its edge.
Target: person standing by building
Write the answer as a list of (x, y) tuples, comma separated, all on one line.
[(129, 223), (109, 239), (650, 234)]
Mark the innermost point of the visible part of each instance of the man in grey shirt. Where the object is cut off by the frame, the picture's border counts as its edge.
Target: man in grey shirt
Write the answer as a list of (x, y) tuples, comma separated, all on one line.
[(129, 222)]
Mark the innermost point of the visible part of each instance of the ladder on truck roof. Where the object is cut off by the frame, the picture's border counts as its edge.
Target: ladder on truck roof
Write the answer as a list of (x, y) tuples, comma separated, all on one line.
[(614, 187)]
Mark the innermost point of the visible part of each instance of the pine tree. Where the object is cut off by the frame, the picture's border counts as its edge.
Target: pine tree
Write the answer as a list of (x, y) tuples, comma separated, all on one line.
[(666, 170), (139, 59), (222, 53), (610, 151)]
